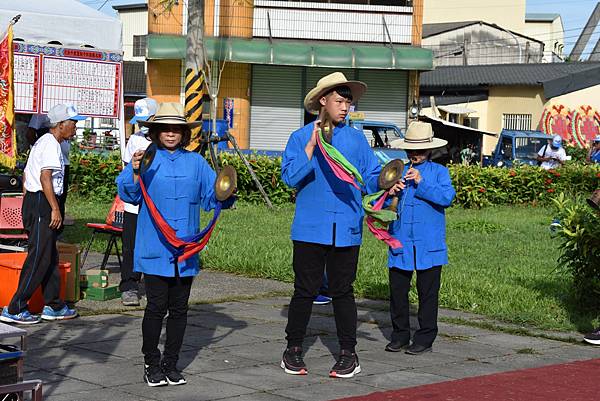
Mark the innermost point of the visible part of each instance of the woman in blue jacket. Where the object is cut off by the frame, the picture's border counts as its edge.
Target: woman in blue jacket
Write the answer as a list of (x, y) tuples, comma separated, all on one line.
[(421, 228), (180, 183)]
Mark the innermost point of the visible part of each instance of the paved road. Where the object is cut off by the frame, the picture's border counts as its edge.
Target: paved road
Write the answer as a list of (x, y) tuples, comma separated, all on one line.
[(232, 350)]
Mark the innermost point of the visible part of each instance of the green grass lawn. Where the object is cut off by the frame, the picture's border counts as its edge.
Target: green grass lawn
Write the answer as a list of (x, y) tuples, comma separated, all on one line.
[(502, 259)]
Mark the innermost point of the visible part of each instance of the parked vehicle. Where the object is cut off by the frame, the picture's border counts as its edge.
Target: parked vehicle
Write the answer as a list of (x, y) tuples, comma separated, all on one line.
[(517, 147), (380, 134)]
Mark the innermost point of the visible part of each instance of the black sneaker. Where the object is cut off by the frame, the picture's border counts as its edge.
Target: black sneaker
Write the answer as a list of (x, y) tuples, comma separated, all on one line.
[(154, 376), (174, 376), (292, 362), (347, 365), (593, 337)]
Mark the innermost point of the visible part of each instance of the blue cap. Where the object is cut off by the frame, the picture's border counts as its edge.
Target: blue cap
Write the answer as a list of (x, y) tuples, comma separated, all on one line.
[(63, 112), (144, 109), (556, 141), (597, 138)]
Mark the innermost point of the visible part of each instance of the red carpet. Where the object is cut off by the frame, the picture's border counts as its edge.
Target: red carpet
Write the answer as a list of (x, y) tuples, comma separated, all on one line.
[(565, 382)]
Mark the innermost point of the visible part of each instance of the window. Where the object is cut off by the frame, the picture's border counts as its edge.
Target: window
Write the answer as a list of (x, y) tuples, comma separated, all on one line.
[(516, 121), (472, 122), (139, 45)]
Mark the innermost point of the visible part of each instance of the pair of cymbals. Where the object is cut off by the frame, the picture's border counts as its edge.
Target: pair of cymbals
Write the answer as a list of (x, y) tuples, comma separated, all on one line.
[(225, 184)]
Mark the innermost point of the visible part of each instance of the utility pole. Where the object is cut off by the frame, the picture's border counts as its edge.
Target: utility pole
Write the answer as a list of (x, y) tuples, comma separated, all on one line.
[(194, 63)]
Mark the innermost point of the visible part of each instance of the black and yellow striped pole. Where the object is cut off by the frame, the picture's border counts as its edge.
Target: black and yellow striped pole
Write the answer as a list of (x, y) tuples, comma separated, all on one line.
[(194, 91)]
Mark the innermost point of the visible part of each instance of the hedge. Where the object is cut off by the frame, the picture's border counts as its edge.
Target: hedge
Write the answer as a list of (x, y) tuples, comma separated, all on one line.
[(579, 235), (94, 174)]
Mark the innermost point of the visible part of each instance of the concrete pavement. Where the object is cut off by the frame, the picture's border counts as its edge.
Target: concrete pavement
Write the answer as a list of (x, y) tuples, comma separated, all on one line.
[(233, 346)]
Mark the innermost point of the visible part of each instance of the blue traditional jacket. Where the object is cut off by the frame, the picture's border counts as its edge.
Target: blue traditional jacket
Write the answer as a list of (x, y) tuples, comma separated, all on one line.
[(179, 184), (421, 224), (328, 210)]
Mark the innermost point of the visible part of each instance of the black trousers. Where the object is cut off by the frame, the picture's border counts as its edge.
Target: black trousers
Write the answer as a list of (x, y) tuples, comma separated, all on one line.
[(428, 288), (129, 279), (41, 265), (309, 262), (165, 294)]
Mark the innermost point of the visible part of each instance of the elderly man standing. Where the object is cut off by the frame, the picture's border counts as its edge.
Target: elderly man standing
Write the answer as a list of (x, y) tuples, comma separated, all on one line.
[(130, 280), (44, 178)]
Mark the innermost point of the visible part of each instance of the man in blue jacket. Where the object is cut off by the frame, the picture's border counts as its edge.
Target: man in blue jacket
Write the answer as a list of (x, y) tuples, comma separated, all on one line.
[(327, 226), (421, 228)]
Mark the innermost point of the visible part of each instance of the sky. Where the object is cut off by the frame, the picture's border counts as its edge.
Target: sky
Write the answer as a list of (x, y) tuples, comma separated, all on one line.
[(574, 13)]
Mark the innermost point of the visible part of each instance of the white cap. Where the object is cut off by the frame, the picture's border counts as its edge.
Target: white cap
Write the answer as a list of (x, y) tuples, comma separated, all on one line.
[(144, 109), (63, 112), (556, 141)]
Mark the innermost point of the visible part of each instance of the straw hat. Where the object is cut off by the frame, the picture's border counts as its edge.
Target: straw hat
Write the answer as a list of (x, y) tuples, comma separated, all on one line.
[(311, 101), (419, 135), (169, 113)]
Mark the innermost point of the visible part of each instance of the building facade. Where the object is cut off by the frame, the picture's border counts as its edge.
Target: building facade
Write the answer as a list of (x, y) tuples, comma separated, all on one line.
[(272, 52), (548, 27), (556, 98)]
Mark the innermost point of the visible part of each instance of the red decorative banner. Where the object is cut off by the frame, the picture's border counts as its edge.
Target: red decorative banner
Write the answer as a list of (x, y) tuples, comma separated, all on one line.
[(8, 148)]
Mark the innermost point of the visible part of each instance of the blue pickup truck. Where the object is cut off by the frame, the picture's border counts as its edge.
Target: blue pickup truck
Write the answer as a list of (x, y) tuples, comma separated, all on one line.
[(517, 147)]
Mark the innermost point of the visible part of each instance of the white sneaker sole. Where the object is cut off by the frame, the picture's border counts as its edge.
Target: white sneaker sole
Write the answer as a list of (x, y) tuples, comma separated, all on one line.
[(302, 372), (180, 382), (9, 320), (159, 384), (336, 375), (51, 318), (593, 342)]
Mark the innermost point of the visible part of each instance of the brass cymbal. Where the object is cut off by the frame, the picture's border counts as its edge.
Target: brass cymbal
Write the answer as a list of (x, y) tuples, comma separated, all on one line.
[(391, 174), (226, 183), (147, 158)]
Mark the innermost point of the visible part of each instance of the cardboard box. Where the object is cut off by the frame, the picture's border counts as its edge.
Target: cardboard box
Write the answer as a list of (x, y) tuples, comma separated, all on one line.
[(94, 278), (70, 253), (101, 293)]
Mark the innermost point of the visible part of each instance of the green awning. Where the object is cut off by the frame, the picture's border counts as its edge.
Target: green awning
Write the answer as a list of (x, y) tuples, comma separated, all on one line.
[(263, 51)]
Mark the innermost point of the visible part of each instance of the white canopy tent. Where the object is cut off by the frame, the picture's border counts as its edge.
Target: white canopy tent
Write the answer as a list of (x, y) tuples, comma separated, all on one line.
[(68, 22)]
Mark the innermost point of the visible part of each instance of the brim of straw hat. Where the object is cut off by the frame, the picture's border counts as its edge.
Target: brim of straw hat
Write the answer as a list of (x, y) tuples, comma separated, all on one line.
[(169, 120), (311, 101), (426, 144)]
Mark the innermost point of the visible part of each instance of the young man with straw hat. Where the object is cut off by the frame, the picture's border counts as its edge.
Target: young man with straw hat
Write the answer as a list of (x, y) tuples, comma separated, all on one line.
[(327, 226), (421, 228)]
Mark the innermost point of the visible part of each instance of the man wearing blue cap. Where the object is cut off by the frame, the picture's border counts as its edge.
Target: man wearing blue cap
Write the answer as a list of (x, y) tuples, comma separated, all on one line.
[(552, 155), (129, 286), (44, 182)]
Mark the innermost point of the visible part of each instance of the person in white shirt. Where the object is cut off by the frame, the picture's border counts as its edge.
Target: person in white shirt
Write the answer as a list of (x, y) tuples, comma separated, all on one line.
[(44, 182), (129, 286), (552, 155)]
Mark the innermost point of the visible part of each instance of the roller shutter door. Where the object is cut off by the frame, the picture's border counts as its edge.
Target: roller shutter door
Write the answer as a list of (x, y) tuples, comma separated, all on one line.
[(386, 97), (276, 106)]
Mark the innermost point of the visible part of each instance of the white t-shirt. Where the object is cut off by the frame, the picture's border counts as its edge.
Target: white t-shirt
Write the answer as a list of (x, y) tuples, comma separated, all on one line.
[(45, 155), (136, 142), (547, 151)]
